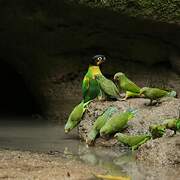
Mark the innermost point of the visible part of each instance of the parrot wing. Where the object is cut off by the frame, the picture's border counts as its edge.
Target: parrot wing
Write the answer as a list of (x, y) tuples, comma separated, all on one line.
[(157, 93), (85, 86), (131, 86), (109, 87)]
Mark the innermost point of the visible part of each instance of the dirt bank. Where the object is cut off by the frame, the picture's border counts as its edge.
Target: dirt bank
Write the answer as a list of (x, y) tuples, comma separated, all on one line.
[(27, 165), (163, 151), (146, 115)]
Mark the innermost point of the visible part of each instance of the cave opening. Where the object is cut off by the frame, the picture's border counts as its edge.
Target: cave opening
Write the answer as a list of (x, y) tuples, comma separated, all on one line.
[(15, 97)]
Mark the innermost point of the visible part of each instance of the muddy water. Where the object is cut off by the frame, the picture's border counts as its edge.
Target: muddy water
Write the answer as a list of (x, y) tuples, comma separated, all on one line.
[(42, 136)]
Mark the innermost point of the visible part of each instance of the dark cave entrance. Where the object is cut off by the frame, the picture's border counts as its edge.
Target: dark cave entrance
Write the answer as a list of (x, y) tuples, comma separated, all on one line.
[(15, 97)]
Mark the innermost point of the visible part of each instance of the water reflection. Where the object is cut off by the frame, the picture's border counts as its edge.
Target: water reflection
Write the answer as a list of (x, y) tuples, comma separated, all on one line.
[(42, 136)]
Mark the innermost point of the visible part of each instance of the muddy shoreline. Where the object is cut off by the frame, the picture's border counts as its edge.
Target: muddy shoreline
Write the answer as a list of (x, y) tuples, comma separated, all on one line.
[(30, 165)]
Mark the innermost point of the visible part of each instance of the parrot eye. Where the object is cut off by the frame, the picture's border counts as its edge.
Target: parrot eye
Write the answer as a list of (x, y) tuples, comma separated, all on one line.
[(99, 58)]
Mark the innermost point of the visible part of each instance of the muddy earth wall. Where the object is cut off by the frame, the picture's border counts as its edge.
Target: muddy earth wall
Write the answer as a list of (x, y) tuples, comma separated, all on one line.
[(49, 43)]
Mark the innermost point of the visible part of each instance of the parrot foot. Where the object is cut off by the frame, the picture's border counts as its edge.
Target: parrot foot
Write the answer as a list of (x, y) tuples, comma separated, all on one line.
[(151, 103), (124, 99), (148, 104), (119, 99), (158, 102), (101, 98)]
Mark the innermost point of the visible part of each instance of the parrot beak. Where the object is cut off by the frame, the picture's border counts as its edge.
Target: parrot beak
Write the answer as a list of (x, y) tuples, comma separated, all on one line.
[(101, 61), (89, 143), (115, 78), (116, 135), (66, 130), (141, 93)]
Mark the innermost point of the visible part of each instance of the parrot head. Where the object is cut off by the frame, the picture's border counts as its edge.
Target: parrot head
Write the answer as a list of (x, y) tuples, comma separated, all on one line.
[(143, 90), (157, 130), (68, 127), (118, 76), (97, 60), (104, 132), (118, 135)]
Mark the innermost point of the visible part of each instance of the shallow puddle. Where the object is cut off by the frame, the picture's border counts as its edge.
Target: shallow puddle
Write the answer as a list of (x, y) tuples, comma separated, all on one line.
[(43, 136)]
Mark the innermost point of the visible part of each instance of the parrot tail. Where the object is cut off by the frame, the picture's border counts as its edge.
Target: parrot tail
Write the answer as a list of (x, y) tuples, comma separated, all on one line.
[(110, 111), (172, 94), (85, 103), (132, 111)]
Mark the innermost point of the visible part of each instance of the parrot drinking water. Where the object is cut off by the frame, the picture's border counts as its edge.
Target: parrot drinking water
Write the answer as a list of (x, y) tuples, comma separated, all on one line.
[(117, 122), (174, 123), (75, 116), (157, 130), (90, 87), (99, 123), (134, 141)]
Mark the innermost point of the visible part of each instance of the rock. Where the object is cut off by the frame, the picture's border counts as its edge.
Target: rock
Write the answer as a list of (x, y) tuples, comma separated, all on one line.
[(146, 116), (163, 151), (158, 10)]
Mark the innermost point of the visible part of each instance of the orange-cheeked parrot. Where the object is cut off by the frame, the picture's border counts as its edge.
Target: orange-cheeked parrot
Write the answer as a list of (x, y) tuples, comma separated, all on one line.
[(90, 87)]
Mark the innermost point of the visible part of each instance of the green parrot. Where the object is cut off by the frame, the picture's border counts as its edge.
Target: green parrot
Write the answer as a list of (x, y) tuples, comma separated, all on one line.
[(75, 116), (157, 130), (117, 122), (134, 141), (156, 93), (172, 124), (126, 84), (99, 123), (107, 86), (90, 87)]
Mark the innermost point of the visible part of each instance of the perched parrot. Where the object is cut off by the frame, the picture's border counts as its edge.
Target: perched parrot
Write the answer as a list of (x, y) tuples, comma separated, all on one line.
[(172, 124), (157, 130), (156, 93), (126, 84), (117, 122), (107, 86), (90, 87), (75, 116), (134, 141), (99, 123)]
